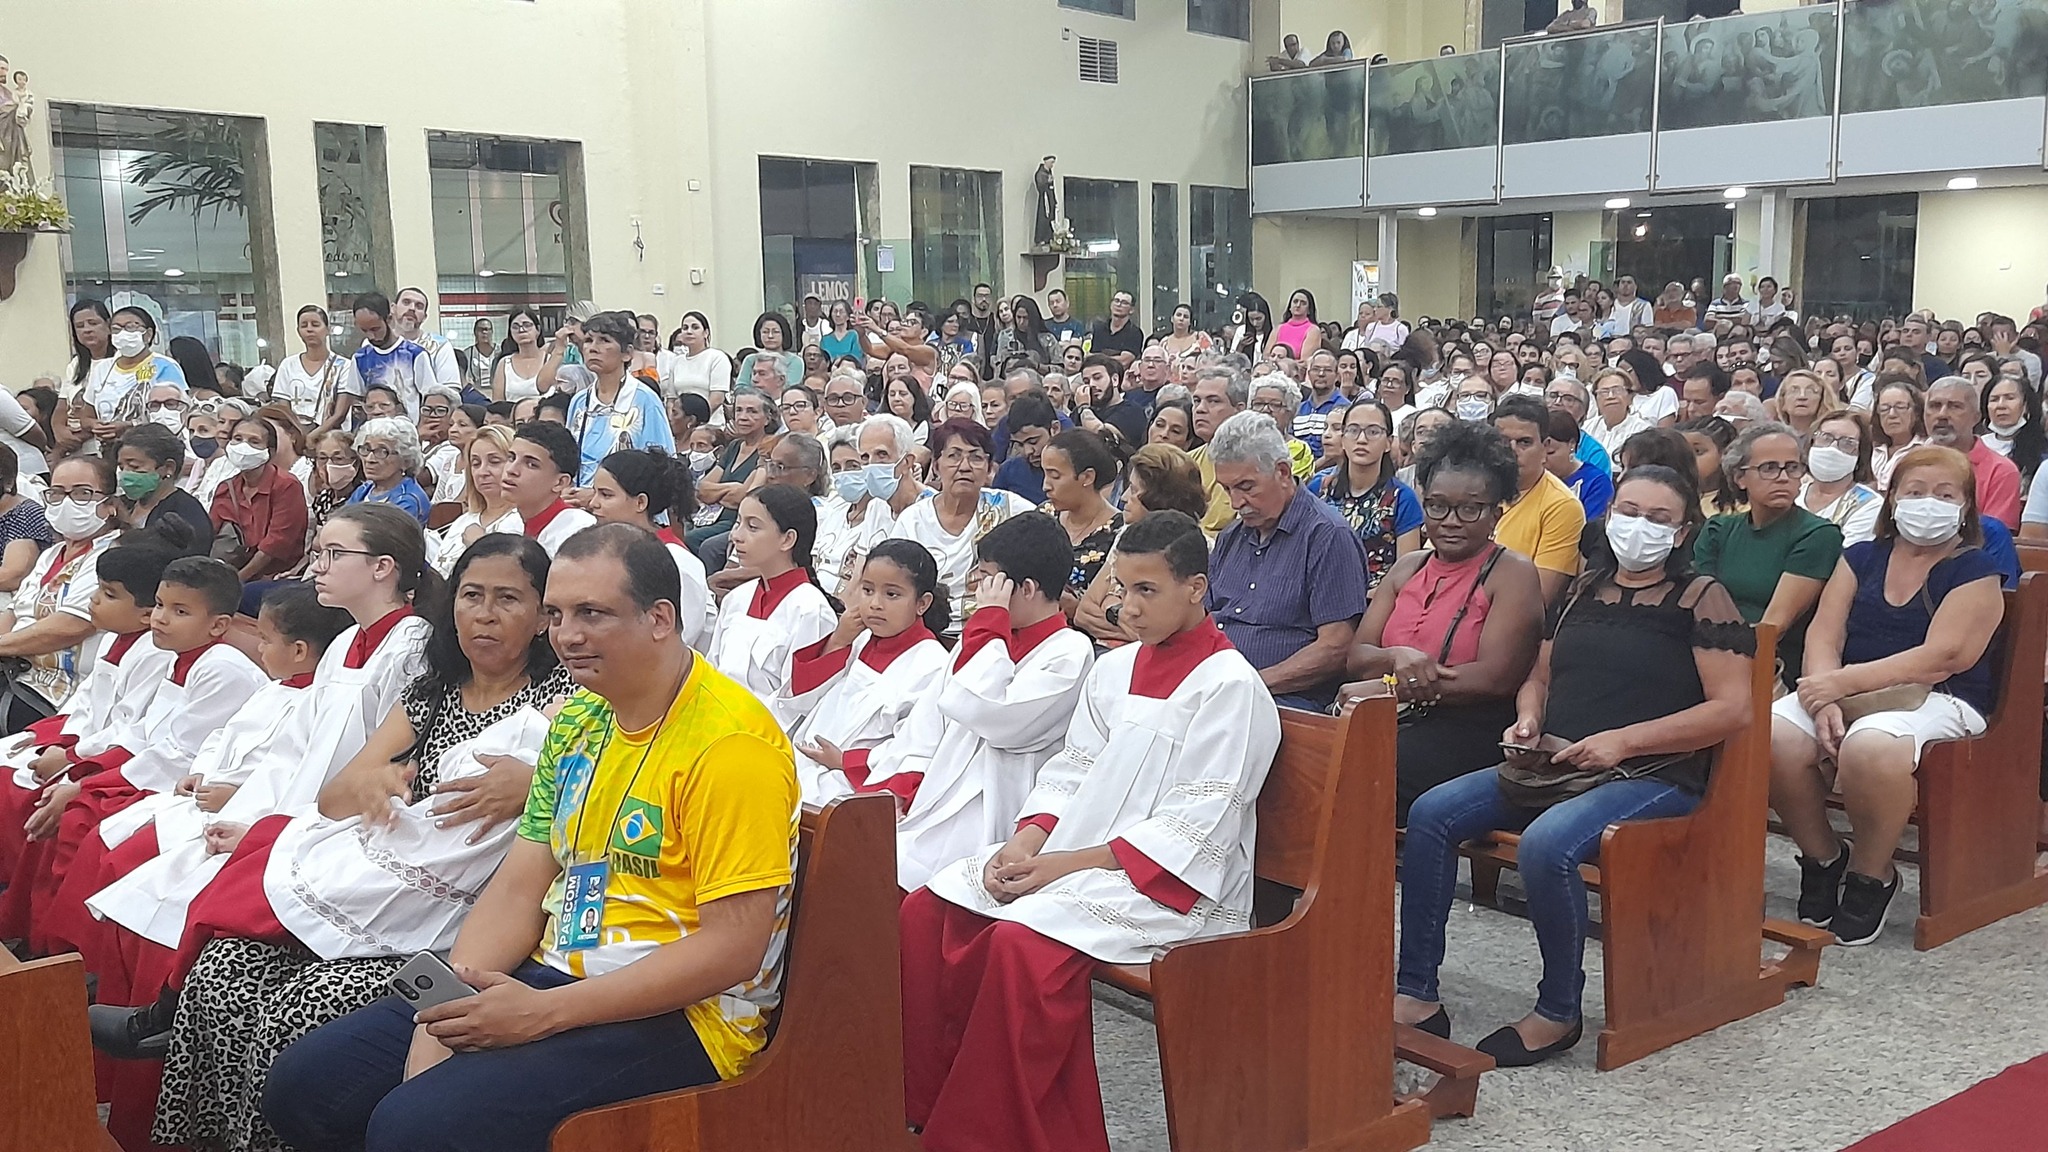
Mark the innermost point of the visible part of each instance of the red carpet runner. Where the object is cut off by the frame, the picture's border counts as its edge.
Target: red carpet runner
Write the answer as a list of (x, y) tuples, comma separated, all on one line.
[(2007, 1113)]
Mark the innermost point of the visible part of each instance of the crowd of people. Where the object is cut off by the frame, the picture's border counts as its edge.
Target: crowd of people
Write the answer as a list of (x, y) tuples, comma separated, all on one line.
[(317, 667)]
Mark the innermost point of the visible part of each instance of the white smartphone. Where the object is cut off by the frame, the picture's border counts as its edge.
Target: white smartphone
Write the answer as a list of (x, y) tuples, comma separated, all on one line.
[(426, 981)]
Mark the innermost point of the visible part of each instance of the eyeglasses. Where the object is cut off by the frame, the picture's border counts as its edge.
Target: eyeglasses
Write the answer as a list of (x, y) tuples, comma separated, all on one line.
[(954, 458), (1905, 409), (1847, 444), (842, 399), (1467, 513), (339, 461), (1778, 470), (796, 405), (131, 326), (84, 495), (376, 452), (1369, 432), (325, 558), (165, 406), (438, 411)]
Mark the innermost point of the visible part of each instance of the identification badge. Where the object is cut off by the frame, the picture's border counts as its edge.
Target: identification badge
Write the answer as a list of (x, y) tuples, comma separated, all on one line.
[(582, 918)]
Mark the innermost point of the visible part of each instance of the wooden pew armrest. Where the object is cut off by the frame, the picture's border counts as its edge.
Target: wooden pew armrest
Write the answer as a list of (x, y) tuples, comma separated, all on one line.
[(1445, 1057)]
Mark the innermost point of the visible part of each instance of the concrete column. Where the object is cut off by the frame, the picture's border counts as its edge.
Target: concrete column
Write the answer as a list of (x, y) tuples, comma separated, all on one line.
[(1774, 233), (1390, 252)]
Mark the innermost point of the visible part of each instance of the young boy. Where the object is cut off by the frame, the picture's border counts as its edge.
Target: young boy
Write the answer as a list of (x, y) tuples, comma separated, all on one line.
[(127, 667), (967, 755), (539, 475), (207, 684), (1138, 835), (247, 769)]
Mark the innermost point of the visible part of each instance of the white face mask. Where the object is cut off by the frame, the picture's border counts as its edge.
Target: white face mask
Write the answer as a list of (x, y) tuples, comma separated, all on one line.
[(1638, 542), (168, 418), (1829, 464), (77, 519), (700, 463), (1927, 520), (881, 480), (130, 343), (850, 486), (2008, 431), (246, 456), (1473, 409)]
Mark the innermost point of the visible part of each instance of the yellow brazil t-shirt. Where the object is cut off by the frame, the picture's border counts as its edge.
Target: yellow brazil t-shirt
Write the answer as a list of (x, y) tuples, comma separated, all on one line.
[(700, 806), (1544, 524)]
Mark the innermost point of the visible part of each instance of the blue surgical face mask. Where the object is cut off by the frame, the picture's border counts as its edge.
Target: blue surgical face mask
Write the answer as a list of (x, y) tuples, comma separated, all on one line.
[(851, 486), (880, 480)]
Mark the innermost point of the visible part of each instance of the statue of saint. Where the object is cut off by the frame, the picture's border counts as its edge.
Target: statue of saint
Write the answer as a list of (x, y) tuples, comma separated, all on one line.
[(17, 104), (1048, 204)]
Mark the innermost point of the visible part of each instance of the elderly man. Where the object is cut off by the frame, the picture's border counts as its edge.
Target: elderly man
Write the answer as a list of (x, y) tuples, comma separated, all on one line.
[(1740, 408), (1680, 353), (1314, 414), (1287, 581), (1155, 367), (845, 400), (1220, 392), (1952, 416), (1568, 395), (1278, 399), (631, 943)]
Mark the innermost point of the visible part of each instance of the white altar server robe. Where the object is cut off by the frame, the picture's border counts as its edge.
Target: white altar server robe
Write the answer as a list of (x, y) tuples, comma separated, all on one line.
[(860, 707), (979, 740), (116, 692), (1171, 769), (759, 625), (205, 690)]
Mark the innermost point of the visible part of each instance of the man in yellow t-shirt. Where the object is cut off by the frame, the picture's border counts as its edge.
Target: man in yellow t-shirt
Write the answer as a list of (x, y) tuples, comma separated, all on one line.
[(632, 941), (1545, 521), (1220, 392)]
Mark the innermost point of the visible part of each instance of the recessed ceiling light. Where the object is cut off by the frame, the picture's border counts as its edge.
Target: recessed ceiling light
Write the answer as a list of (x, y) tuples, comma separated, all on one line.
[(1735, 193), (1619, 202), (486, 273), (1643, 215), (1730, 206), (1425, 211), (1961, 183), (174, 272)]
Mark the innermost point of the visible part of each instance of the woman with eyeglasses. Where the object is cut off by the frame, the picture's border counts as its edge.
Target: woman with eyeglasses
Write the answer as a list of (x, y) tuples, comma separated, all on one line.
[(389, 449), (115, 398), (516, 375), (1837, 487), (1455, 627), (50, 619), (336, 475), (962, 509), (1363, 489), (1775, 558), (1900, 426)]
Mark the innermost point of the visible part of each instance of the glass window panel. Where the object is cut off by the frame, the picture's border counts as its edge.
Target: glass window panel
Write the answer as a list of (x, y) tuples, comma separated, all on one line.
[(355, 210), (500, 227), (1232, 18), (1923, 53), (1859, 255), (1165, 252), (159, 202), (1578, 87), (956, 232), (1434, 105), (1219, 252), (1123, 8), (1748, 69), (1315, 115), (810, 235), (1104, 217)]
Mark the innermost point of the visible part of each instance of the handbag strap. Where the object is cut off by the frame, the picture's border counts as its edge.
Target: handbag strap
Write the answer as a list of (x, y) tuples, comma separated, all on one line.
[(1451, 633)]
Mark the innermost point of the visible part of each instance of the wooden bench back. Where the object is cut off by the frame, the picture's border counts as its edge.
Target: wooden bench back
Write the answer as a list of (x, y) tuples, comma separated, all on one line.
[(2033, 557), (46, 1086), (1295, 803)]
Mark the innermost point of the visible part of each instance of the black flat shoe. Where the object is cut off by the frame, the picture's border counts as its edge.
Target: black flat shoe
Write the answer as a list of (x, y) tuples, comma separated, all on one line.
[(1508, 1051), (142, 1033), (1438, 1024)]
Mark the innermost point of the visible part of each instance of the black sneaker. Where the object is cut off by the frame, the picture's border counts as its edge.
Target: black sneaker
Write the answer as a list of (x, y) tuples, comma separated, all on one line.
[(1864, 901), (1820, 888), (134, 1033)]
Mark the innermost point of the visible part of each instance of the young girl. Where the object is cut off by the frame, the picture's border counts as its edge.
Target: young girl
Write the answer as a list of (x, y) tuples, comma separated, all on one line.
[(633, 487), (371, 560), (766, 619), (855, 687), (489, 507)]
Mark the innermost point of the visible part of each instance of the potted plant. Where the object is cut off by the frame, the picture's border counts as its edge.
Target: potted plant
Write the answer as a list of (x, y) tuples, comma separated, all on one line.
[(26, 208)]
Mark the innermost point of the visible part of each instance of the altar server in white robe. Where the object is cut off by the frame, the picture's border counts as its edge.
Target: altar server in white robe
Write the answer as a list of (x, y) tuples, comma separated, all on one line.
[(970, 751), (855, 687), (762, 622), (1139, 835), (126, 670), (538, 478), (634, 487), (248, 768), (120, 789)]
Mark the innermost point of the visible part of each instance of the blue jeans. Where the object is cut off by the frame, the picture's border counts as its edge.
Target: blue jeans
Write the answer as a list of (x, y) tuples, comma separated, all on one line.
[(342, 1086), (1555, 841)]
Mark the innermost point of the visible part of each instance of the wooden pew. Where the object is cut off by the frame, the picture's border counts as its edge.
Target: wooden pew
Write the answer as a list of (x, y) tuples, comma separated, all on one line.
[(1281, 1039), (46, 1087), (1681, 903), (1980, 805), (831, 1078)]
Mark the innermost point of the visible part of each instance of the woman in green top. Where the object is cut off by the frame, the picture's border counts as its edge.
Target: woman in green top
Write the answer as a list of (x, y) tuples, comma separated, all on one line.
[(1774, 558)]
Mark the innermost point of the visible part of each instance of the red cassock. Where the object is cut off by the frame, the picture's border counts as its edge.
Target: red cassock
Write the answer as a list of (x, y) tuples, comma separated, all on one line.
[(44, 864)]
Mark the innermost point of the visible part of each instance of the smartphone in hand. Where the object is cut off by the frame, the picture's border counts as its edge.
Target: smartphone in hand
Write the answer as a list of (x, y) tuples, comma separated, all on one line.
[(426, 981)]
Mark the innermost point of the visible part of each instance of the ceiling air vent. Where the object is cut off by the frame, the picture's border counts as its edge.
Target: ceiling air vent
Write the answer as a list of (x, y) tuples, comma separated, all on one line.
[(1098, 60)]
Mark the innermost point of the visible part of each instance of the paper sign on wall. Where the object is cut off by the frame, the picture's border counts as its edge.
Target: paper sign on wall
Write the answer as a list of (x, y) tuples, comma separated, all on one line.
[(1365, 283), (885, 258)]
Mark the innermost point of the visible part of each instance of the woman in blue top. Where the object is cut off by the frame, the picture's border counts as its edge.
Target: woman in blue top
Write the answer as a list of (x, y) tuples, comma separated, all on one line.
[(1382, 510), (842, 340), (616, 413), (116, 394), (1911, 614), (389, 449)]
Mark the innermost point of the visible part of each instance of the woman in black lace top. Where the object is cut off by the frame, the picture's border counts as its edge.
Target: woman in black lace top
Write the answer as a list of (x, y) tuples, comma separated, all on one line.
[(1644, 669)]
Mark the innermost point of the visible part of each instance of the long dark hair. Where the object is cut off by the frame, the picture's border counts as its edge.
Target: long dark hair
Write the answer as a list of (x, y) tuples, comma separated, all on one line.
[(662, 478), (1034, 324), (448, 666), (1339, 485), (923, 571), (508, 346), (2030, 442), (79, 352), (388, 530), (791, 509), (1252, 346)]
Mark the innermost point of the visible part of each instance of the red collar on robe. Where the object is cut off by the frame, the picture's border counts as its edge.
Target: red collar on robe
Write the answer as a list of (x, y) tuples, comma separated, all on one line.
[(1161, 668), (546, 516), (771, 592), (182, 666), (667, 535), (369, 639), (880, 652), (989, 623), (120, 646), (302, 680)]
